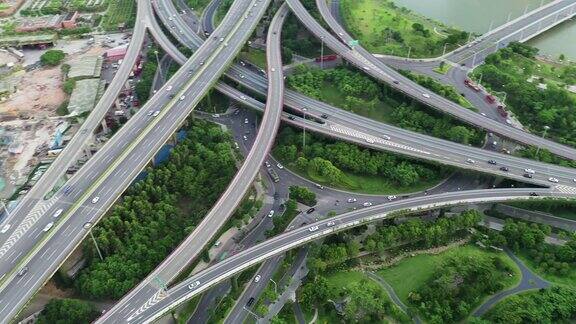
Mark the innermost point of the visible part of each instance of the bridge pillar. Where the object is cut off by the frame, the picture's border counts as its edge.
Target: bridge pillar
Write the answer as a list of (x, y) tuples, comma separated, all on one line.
[(104, 126)]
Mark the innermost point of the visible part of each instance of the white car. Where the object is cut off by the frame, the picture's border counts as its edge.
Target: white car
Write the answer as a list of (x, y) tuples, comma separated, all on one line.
[(330, 224), (5, 228), (470, 161), (257, 278), (366, 68), (352, 200), (245, 138), (271, 213), (95, 199), (391, 198), (280, 166), (150, 113), (243, 97), (367, 204), (425, 95), (529, 171), (156, 113), (57, 213), (182, 98), (267, 164), (245, 120), (386, 137), (313, 228), (194, 284), (48, 227), (169, 88), (553, 180)]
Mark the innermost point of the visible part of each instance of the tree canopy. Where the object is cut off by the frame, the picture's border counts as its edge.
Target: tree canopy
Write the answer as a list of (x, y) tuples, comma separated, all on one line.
[(52, 57)]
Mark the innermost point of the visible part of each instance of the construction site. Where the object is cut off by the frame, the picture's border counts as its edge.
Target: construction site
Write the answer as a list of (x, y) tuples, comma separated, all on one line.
[(37, 117)]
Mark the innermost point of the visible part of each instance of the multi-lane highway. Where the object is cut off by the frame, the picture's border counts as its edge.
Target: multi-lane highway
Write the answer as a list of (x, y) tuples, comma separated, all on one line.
[(98, 184), (373, 66), (203, 280), (348, 126), (226, 204), (89, 194), (33, 205)]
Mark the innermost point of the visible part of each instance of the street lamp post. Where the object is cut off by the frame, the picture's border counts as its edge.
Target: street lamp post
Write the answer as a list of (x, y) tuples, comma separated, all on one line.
[(275, 286), (444, 51), (321, 52), (159, 65), (409, 50), (252, 313), (546, 128), (304, 110), (96, 244), (5, 209)]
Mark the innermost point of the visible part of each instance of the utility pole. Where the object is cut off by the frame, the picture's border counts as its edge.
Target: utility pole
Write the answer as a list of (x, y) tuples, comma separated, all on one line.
[(546, 128), (409, 50), (96, 244), (444, 51)]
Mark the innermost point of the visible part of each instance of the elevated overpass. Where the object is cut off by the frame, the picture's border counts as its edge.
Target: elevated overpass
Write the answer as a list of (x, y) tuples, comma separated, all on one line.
[(196, 284)]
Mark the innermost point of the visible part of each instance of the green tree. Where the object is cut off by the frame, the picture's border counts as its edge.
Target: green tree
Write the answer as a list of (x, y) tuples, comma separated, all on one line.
[(52, 57), (67, 311)]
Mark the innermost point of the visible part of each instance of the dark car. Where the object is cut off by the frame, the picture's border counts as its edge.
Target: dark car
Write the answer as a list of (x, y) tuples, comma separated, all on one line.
[(311, 210), (325, 116), (528, 175), (505, 169), (492, 162), (533, 194), (250, 302)]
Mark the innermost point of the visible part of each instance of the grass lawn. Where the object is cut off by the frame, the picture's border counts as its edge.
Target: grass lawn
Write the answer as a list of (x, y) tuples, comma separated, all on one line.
[(370, 184), (330, 94), (569, 279), (254, 56), (411, 273), (197, 5), (368, 20), (444, 69)]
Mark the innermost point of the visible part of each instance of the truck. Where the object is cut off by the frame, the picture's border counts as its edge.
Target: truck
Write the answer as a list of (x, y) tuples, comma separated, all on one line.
[(502, 111), (326, 58), (273, 174), (490, 98), (470, 84)]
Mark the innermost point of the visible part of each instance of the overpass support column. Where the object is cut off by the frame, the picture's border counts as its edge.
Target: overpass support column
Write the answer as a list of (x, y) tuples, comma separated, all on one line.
[(104, 126)]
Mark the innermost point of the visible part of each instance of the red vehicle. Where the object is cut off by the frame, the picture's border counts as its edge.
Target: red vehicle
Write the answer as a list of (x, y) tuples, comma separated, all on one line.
[(326, 58), (502, 111), (491, 99), (471, 85)]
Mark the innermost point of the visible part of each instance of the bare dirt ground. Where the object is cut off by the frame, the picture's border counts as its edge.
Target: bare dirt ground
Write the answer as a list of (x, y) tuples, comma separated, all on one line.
[(27, 116)]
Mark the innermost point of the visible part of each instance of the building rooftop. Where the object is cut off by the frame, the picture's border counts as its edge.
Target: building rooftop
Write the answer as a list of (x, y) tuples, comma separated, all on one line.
[(85, 67), (84, 96)]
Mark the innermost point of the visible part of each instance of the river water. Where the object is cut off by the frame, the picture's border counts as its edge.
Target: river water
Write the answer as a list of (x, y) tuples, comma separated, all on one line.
[(478, 15)]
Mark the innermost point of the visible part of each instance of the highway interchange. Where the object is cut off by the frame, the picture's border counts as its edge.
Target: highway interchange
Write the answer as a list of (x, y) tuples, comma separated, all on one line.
[(111, 170)]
